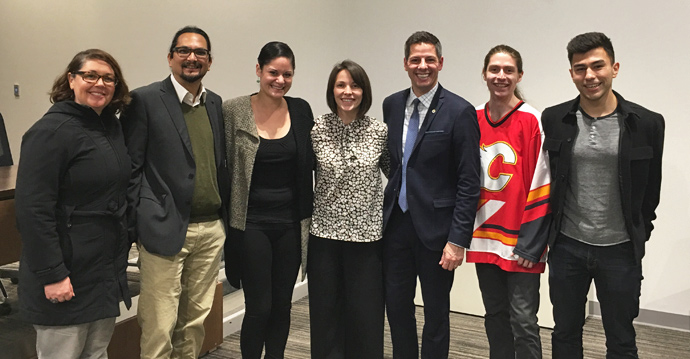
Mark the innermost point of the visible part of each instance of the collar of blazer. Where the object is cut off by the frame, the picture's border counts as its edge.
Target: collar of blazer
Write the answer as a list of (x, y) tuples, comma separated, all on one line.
[(172, 105), (568, 109), (246, 123)]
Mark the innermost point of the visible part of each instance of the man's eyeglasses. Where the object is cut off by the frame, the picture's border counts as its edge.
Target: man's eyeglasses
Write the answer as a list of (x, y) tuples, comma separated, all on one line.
[(185, 51), (92, 77)]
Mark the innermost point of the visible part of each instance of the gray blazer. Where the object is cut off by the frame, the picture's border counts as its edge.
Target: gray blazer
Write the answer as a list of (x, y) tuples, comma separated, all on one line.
[(163, 169)]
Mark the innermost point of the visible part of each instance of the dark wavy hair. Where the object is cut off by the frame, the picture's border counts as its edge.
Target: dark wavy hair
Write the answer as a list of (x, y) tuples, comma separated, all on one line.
[(62, 92), (505, 49), (589, 41), (274, 50), (359, 76)]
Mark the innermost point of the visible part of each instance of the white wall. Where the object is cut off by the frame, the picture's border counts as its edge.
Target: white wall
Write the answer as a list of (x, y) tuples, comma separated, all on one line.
[(38, 38)]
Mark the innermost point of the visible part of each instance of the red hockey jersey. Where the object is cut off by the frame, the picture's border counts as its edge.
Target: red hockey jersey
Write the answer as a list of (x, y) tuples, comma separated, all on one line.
[(513, 212)]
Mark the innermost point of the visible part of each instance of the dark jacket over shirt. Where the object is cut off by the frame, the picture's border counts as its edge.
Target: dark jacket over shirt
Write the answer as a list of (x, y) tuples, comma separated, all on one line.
[(639, 164), (442, 172), (70, 204), (163, 166)]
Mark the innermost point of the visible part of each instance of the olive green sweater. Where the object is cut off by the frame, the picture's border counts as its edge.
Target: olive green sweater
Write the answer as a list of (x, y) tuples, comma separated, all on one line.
[(206, 198)]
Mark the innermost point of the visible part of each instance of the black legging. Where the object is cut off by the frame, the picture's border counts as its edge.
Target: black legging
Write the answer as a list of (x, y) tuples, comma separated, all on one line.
[(270, 262)]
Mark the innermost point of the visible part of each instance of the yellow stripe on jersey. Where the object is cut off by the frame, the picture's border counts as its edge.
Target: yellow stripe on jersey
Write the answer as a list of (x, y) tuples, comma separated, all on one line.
[(538, 193), (510, 241)]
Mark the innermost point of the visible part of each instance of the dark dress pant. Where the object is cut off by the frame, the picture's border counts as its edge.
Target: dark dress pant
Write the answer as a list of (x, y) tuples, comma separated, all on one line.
[(346, 307), (405, 258)]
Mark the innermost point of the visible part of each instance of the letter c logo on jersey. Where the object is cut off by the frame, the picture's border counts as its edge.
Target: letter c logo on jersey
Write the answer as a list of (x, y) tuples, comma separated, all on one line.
[(489, 155)]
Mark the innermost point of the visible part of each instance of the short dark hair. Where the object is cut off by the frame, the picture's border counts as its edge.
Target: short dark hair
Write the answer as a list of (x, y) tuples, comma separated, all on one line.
[(359, 76), (274, 50), (188, 29), (589, 41), (61, 90), (505, 49), (422, 37)]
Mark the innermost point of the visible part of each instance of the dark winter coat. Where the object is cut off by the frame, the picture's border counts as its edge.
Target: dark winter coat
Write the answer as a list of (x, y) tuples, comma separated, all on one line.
[(70, 204)]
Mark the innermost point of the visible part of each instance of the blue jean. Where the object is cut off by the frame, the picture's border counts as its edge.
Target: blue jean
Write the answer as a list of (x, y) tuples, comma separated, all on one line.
[(511, 301), (617, 277)]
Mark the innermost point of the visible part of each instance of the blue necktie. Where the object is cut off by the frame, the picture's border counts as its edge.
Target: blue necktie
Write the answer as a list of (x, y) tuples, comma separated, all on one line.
[(412, 130)]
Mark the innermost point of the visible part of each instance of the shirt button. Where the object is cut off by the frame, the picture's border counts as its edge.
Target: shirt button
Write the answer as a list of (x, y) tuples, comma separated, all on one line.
[(191, 175)]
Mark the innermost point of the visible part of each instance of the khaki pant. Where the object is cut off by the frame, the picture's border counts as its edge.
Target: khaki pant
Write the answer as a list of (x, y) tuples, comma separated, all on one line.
[(177, 293), (80, 341)]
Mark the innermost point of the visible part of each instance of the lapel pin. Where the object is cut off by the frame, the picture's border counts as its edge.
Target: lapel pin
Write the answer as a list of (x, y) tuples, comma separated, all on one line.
[(433, 111)]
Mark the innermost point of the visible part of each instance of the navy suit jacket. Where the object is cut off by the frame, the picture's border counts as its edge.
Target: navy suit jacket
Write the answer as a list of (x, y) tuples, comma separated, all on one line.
[(163, 168), (443, 170)]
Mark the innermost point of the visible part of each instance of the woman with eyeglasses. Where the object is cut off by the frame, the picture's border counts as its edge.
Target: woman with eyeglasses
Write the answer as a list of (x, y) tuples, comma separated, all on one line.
[(70, 204), (270, 160)]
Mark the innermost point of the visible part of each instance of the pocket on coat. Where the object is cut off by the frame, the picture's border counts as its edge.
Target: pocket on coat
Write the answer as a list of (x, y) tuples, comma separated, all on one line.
[(443, 215), (444, 202), (641, 153), (640, 158), (147, 193), (88, 247), (152, 205), (552, 145), (436, 136)]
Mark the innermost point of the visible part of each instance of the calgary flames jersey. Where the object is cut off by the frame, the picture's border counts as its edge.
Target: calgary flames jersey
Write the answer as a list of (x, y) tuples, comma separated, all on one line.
[(513, 213)]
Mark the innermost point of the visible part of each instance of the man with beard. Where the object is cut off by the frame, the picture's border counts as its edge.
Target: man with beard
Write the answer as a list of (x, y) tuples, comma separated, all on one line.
[(177, 198)]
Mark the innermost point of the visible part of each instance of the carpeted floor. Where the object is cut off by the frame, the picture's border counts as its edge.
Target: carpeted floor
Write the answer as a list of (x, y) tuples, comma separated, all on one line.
[(468, 339)]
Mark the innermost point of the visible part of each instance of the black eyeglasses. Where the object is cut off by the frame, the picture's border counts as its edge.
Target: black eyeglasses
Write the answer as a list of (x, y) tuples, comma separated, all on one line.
[(92, 77), (185, 51)]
